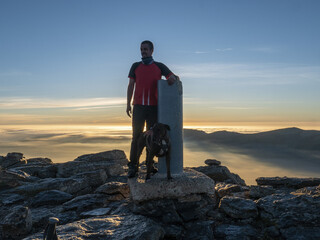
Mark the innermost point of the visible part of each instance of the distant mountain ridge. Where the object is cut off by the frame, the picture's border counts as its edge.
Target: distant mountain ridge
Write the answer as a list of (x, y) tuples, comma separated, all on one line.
[(288, 137)]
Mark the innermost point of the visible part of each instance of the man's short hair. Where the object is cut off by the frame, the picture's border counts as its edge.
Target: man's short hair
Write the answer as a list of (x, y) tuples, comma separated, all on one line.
[(149, 43)]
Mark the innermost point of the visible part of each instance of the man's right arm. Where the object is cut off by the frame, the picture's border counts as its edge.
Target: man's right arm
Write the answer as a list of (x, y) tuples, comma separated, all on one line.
[(129, 96)]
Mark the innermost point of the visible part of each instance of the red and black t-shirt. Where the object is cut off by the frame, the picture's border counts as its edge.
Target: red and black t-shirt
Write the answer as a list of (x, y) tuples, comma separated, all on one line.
[(146, 78)]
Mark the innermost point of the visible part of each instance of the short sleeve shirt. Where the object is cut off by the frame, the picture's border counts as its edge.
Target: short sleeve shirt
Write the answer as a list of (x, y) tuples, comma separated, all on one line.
[(146, 81)]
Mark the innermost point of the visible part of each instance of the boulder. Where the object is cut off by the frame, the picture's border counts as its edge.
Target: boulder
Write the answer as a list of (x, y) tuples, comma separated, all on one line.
[(16, 223), (238, 208), (285, 182), (96, 212), (10, 179), (257, 192), (199, 230), (50, 197), (114, 227), (86, 202), (289, 210), (112, 162), (12, 159), (224, 189), (220, 174), (111, 188), (41, 171), (235, 232), (93, 178), (68, 185), (9, 199), (39, 161)]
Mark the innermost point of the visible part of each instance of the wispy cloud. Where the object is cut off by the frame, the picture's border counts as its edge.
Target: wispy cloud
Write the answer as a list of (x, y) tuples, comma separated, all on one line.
[(253, 74), (39, 103), (200, 52), (223, 49)]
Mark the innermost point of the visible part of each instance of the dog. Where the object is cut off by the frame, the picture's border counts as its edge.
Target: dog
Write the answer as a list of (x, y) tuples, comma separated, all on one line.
[(157, 142)]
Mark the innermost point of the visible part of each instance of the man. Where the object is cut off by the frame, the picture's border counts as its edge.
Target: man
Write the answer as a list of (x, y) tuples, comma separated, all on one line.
[(143, 80)]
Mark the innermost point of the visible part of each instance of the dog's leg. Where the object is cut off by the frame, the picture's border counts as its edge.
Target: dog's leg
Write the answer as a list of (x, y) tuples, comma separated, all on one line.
[(168, 160)]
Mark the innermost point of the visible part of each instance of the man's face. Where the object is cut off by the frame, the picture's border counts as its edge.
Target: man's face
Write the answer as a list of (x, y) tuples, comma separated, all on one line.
[(145, 50)]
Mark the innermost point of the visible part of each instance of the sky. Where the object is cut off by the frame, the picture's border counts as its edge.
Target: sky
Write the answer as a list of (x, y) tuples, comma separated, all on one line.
[(240, 61)]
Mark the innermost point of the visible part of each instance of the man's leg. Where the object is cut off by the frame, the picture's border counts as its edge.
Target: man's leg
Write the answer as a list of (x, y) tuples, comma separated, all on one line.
[(138, 119)]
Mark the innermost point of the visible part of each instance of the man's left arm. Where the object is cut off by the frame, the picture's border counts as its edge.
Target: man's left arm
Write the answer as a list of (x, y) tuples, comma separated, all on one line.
[(165, 71), (172, 79)]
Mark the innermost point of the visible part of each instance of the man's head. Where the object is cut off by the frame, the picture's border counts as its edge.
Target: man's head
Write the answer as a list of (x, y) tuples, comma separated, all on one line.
[(146, 49)]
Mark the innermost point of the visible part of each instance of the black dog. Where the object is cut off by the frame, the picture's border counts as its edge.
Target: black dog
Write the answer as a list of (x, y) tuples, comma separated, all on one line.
[(158, 144)]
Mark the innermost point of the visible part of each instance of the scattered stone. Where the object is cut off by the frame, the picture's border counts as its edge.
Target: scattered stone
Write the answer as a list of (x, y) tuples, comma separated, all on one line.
[(238, 208), (41, 171), (212, 162), (285, 182), (50, 197), (199, 230)]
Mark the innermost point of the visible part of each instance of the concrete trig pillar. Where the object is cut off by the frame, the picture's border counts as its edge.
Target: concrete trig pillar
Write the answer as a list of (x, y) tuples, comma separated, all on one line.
[(170, 112)]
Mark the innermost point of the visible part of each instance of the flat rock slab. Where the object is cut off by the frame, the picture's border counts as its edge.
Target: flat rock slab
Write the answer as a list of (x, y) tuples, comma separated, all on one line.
[(158, 187)]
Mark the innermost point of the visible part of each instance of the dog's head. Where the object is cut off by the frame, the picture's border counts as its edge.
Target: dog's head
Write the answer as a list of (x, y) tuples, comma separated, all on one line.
[(160, 131)]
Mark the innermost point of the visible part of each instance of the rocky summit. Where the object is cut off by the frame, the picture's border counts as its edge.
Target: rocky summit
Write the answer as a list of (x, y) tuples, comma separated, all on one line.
[(91, 199)]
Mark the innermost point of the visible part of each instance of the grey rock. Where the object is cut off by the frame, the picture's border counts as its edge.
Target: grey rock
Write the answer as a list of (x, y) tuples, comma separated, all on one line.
[(201, 230), (257, 192), (39, 161), (68, 185), (211, 162), (40, 216), (158, 187), (10, 179), (290, 210), (86, 202), (112, 162), (220, 174), (285, 182), (12, 159), (163, 209), (235, 232), (130, 227), (238, 208), (114, 188), (9, 199), (224, 189), (301, 233), (41, 171), (173, 211), (50, 197), (96, 212), (93, 178), (16, 223)]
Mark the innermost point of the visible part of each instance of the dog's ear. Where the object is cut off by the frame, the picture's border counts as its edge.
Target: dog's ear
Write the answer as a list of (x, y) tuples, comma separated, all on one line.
[(167, 127)]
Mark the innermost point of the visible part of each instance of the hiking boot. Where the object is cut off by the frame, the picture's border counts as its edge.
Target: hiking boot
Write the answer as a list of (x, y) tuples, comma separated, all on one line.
[(132, 172)]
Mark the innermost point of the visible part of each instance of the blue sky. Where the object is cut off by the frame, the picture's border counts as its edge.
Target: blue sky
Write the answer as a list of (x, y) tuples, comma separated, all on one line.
[(239, 61)]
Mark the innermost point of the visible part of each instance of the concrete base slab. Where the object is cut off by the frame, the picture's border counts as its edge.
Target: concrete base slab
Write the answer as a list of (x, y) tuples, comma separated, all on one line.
[(158, 187)]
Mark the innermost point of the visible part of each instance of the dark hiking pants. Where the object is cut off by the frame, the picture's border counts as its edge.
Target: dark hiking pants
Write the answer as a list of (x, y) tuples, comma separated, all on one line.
[(141, 115)]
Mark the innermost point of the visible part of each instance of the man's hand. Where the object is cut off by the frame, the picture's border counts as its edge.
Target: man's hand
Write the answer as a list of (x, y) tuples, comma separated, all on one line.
[(172, 79), (128, 110)]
